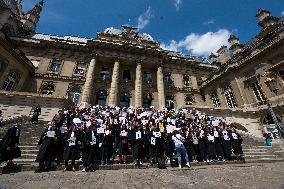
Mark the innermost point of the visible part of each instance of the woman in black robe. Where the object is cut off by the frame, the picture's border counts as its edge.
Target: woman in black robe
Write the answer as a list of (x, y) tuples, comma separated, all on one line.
[(70, 149), (9, 146), (48, 149), (90, 147), (137, 141), (218, 144), (123, 145), (236, 143), (226, 143)]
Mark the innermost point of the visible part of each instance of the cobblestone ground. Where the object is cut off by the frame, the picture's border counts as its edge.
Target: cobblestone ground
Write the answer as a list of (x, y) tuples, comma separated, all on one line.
[(268, 176)]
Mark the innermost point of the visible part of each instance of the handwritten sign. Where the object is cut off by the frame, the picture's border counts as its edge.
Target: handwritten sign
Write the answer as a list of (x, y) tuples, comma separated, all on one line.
[(100, 130), (51, 134), (72, 141), (138, 135), (153, 141)]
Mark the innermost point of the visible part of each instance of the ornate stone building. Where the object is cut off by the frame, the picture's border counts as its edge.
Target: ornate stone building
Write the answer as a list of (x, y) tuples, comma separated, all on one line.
[(127, 68)]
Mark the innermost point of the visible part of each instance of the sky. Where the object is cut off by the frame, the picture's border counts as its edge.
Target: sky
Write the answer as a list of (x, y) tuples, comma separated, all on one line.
[(193, 27)]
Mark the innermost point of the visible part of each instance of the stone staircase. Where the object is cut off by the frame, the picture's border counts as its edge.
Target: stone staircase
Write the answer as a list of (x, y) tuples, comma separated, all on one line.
[(253, 147)]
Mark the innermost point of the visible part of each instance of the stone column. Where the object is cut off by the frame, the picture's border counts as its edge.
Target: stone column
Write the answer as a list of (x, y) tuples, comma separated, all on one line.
[(160, 87), (89, 84), (138, 86), (114, 85)]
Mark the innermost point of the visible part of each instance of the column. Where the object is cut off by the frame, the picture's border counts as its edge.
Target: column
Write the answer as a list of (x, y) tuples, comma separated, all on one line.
[(88, 87), (160, 87), (138, 86), (114, 85)]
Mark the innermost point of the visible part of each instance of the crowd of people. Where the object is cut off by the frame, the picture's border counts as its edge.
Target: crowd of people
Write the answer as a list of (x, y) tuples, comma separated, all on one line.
[(102, 133)]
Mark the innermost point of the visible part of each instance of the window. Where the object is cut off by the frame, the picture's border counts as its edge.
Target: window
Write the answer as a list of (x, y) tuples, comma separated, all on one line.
[(48, 89), (126, 75), (55, 66), (147, 77), (229, 96), (10, 82), (189, 99), (74, 95), (101, 98), (258, 93), (281, 73), (125, 99), (80, 69), (170, 103), (215, 100), (147, 100), (186, 80), (168, 80), (104, 74)]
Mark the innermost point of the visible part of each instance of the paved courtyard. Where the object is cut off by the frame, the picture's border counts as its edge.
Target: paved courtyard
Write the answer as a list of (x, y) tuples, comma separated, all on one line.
[(268, 176)]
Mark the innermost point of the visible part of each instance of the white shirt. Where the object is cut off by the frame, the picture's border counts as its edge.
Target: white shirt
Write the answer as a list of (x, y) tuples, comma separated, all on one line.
[(177, 139)]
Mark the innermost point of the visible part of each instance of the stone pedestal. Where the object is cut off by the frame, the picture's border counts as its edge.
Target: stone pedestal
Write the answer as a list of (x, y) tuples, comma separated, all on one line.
[(160, 87), (114, 85), (138, 86), (88, 87)]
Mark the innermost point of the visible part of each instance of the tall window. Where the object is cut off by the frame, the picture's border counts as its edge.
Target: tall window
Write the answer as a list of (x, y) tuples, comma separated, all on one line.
[(80, 69), (281, 73), (168, 80), (147, 100), (74, 95), (48, 89), (55, 66), (229, 96), (258, 93), (189, 99), (215, 100), (170, 103), (10, 82), (126, 75), (104, 74), (101, 97), (147, 77), (186, 80), (125, 99)]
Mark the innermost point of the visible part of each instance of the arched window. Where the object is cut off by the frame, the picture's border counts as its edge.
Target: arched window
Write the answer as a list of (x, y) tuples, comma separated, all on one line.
[(125, 99), (229, 96), (10, 82), (101, 97), (147, 100), (215, 99), (74, 95), (189, 99), (186, 80), (168, 80), (48, 89)]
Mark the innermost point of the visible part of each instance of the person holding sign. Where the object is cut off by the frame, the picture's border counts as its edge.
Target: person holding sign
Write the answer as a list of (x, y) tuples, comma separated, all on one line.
[(180, 148), (90, 144), (123, 145), (71, 143), (48, 148), (137, 144)]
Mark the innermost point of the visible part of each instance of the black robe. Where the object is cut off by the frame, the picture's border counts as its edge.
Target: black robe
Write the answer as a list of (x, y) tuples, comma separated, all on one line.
[(48, 148), (70, 151), (10, 140), (89, 150)]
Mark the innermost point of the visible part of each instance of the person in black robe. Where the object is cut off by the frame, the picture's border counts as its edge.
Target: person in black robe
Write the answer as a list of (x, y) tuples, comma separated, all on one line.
[(193, 148), (202, 145), (70, 149), (236, 143), (48, 149), (211, 146), (90, 146), (106, 146), (36, 113), (9, 145), (153, 149), (218, 144), (123, 145), (137, 141), (226, 143)]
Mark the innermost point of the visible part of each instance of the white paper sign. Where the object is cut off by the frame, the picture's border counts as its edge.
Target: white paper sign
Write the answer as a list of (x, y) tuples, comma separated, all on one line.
[(107, 132), (63, 129), (216, 134), (153, 141), (100, 144), (123, 133), (211, 138), (138, 135), (100, 130), (50, 134), (72, 141), (94, 139), (157, 134)]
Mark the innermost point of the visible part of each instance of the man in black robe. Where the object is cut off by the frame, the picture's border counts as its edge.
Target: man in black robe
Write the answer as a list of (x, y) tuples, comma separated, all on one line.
[(9, 145)]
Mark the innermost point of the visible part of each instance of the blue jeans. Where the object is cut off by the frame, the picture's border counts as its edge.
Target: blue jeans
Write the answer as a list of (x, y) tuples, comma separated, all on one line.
[(181, 152)]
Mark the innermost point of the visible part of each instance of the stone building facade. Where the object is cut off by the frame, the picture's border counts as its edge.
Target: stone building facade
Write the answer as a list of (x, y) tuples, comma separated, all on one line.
[(124, 67)]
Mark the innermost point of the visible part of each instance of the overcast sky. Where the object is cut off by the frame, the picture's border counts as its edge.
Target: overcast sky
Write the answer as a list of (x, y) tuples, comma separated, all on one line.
[(194, 27)]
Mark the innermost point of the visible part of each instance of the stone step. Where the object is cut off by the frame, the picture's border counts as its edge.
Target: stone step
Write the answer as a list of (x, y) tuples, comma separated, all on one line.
[(259, 156)]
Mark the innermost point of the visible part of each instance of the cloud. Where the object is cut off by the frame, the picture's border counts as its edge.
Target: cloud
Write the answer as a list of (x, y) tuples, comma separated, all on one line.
[(282, 13), (200, 44), (177, 4), (144, 18), (211, 21)]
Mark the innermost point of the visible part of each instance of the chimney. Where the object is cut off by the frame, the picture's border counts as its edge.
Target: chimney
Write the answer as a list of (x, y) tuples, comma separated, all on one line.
[(223, 54), (265, 18), (236, 47), (213, 59)]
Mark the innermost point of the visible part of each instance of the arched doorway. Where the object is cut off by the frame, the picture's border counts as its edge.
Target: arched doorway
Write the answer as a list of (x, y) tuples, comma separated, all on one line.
[(124, 99), (101, 98), (147, 101)]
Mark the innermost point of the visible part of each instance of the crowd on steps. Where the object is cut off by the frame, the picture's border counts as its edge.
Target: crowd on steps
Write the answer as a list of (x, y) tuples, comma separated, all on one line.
[(108, 134)]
